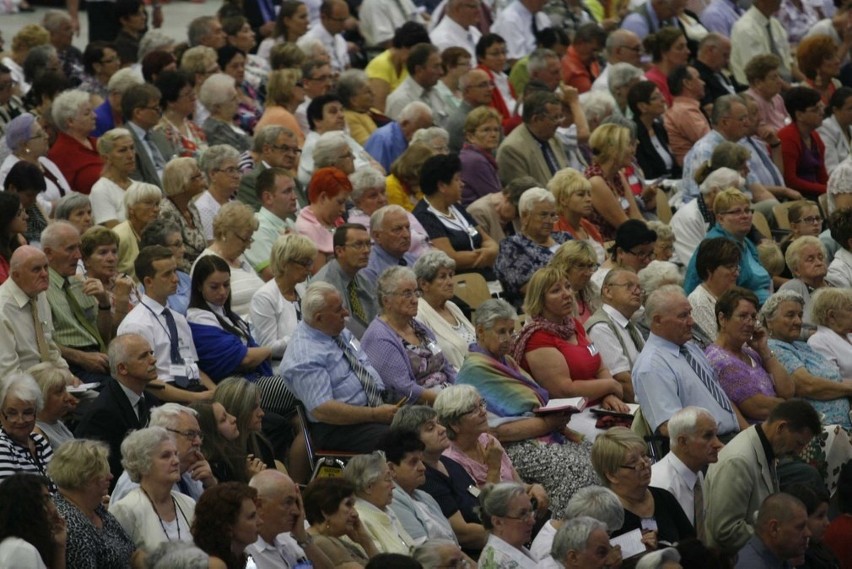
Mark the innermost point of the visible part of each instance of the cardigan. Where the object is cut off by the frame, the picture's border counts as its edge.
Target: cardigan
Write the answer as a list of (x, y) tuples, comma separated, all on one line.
[(454, 346), (796, 174), (137, 516)]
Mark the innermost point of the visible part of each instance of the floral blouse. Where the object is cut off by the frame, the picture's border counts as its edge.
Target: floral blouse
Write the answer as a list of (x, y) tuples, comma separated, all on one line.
[(428, 366), (187, 146), (616, 185), (519, 258), (248, 113), (90, 547), (194, 241)]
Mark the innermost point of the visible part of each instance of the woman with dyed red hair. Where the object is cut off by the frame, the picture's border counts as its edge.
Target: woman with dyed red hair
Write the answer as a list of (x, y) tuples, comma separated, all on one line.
[(327, 193)]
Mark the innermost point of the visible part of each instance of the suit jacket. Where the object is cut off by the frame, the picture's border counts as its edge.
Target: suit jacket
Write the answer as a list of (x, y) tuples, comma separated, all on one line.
[(734, 490), (713, 86), (109, 419), (520, 155), (246, 193), (145, 170), (651, 163)]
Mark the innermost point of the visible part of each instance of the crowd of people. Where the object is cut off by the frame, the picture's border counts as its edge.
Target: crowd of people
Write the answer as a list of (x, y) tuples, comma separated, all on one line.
[(224, 254)]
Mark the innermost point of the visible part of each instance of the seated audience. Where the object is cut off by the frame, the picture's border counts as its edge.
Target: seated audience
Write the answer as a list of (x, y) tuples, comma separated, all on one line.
[(578, 261), (228, 461), (498, 213), (183, 181), (277, 193), (116, 149), (220, 166), (801, 145), (273, 147), (684, 121), (509, 516), (403, 182), (805, 219), (806, 259), (664, 245), (284, 94), (388, 142), (356, 96), (819, 61), (653, 154), (58, 403), (178, 100), (835, 129), (831, 308), (781, 533), (816, 501), (717, 261), (391, 235), (32, 533), (478, 164), (22, 449), (632, 249), (765, 86), (327, 194), (166, 234), (75, 152), (27, 182), (141, 207), (232, 62), (840, 270), (582, 542), (668, 50), (836, 536), (491, 55), (220, 97), (573, 194), (226, 523)]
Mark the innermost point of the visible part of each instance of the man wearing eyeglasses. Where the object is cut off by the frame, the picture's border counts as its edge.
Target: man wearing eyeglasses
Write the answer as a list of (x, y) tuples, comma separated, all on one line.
[(140, 108), (276, 147)]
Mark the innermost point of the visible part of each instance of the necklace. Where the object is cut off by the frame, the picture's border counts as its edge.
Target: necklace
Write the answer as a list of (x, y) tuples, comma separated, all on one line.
[(162, 524)]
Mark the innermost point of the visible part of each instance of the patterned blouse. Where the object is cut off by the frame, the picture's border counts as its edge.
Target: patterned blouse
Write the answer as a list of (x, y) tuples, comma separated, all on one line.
[(615, 184), (248, 113), (519, 258), (187, 146), (739, 379), (194, 241), (428, 366), (90, 547)]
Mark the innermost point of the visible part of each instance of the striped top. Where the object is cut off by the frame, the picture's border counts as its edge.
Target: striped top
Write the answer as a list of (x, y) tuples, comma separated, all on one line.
[(16, 458)]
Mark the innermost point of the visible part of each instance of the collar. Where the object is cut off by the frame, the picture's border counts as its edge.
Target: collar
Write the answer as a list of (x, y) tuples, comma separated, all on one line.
[(764, 442), (683, 470), (132, 396), (55, 278), (414, 87), (455, 27), (522, 10), (140, 133), (615, 315), (759, 17), (263, 545), (19, 296), (383, 255), (661, 343), (686, 101), (274, 220), (152, 304)]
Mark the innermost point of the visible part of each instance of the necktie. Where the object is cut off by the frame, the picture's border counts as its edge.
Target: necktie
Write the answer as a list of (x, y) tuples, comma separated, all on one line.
[(698, 505), (549, 157), (635, 336), (725, 82), (534, 26), (355, 306), (402, 263), (39, 331), (708, 381), (772, 47), (374, 395), (156, 157), (81, 317), (142, 411), (173, 336)]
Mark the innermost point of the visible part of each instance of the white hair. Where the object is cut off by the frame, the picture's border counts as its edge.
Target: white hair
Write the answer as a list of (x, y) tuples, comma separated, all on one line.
[(378, 217), (216, 90), (685, 421), (22, 386), (364, 179), (328, 147), (534, 196), (314, 299), (414, 110), (67, 105), (721, 179), (124, 79), (139, 192), (152, 41), (574, 536), (168, 414)]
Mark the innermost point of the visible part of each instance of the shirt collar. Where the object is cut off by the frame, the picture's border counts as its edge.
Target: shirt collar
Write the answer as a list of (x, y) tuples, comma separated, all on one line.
[(764, 442), (685, 472), (663, 344), (615, 315), (131, 395), (155, 306), (136, 129), (277, 222), (20, 297)]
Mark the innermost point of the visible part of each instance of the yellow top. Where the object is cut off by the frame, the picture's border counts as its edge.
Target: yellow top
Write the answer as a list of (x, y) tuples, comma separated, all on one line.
[(381, 67), (398, 196)]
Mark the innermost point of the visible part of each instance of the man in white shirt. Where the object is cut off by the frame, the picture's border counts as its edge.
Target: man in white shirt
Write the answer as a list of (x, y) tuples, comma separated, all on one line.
[(379, 20), (758, 32), (518, 24), (458, 27), (276, 190), (424, 71), (694, 445), (329, 30), (282, 540), (622, 46), (317, 80)]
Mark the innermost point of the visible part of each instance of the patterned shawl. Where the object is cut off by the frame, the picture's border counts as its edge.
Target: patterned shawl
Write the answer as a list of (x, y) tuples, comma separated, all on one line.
[(565, 329)]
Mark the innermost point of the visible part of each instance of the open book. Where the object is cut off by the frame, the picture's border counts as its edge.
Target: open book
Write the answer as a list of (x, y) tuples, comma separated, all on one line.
[(564, 405), (599, 411)]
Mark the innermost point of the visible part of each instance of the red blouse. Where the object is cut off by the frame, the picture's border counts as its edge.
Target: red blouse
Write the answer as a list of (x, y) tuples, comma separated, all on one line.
[(81, 166), (583, 359)]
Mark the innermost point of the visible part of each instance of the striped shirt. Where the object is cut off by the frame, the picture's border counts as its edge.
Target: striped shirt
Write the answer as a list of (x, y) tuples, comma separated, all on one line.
[(15, 458)]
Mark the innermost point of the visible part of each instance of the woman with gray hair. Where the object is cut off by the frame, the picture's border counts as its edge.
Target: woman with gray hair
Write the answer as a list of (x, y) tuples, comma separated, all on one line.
[(75, 152), (832, 308), (54, 382), (373, 481), (21, 448), (434, 137), (404, 351), (220, 165), (525, 252), (452, 329), (219, 95), (183, 181), (806, 258), (509, 515), (141, 207), (582, 543), (116, 148), (76, 209), (356, 96), (154, 512)]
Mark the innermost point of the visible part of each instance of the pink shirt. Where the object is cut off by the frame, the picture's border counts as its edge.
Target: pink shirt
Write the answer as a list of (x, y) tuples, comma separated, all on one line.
[(685, 125), (308, 225), (772, 114), (477, 470)]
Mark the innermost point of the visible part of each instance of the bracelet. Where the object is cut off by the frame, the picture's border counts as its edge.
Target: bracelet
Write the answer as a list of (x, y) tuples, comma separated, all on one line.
[(309, 540), (107, 307)]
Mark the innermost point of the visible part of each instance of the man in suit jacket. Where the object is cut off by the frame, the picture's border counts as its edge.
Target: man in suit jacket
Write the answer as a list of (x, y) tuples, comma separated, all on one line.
[(276, 147), (123, 405), (745, 475), (531, 149), (140, 107)]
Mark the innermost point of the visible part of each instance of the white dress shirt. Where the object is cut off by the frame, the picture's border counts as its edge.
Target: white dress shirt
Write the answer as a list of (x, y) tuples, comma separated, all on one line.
[(749, 38), (335, 45), (409, 91), (608, 345), (450, 34), (379, 19), (670, 473), (840, 269), (283, 553), (514, 24)]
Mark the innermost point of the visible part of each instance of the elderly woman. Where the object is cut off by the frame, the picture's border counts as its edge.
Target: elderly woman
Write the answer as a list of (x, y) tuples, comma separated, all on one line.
[(404, 351), (219, 96), (330, 511), (578, 261), (653, 154), (817, 379), (819, 61), (275, 308), (553, 348), (523, 253), (664, 245), (182, 181), (116, 149), (452, 229), (141, 207), (232, 62), (95, 538), (478, 165), (832, 308), (356, 96), (99, 255), (403, 182), (806, 259), (21, 448), (668, 51), (747, 369), (233, 227), (805, 220), (226, 522), (373, 481), (718, 265), (76, 209), (612, 199), (733, 221), (220, 165), (177, 89), (435, 309), (573, 194), (167, 234), (327, 195), (284, 94), (621, 460), (153, 512), (435, 137), (53, 382), (75, 152), (509, 516), (801, 146), (32, 533)]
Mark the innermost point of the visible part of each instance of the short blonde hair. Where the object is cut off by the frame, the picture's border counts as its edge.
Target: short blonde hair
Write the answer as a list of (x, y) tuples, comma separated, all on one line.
[(106, 143), (30, 36), (610, 449), (77, 462), (140, 192), (198, 59), (50, 378), (138, 449), (663, 230), (728, 198), (279, 88), (232, 217), (177, 174), (771, 257), (829, 299), (571, 253), (609, 141), (478, 117), (565, 183), (290, 247), (538, 286)]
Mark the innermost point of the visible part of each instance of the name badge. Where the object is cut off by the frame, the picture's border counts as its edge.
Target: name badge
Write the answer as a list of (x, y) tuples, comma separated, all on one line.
[(434, 348), (178, 374), (649, 524), (471, 230), (473, 491), (592, 349), (623, 203)]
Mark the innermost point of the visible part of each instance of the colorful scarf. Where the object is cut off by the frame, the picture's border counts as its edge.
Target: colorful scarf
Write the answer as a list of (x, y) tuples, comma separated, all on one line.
[(566, 329)]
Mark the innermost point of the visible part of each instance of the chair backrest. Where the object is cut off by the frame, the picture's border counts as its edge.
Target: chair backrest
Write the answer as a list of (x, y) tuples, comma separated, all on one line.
[(472, 288), (761, 224), (322, 463), (823, 205), (664, 209), (780, 212)]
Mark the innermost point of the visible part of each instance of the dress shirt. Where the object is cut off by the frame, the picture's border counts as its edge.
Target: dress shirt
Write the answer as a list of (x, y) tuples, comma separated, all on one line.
[(207, 207), (772, 114), (797, 21), (316, 370), (379, 19), (421, 516), (644, 21), (665, 383), (134, 399), (283, 552), (614, 358), (749, 38), (68, 331), (409, 91), (670, 473), (335, 45), (448, 33), (270, 227), (685, 125), (273, 318), (333, 273), (836, 144), (760, 163), (720, 16), (602, 82), (840, 269), (701, 152), (18, 346), (515, 25), (381, 260), (388, 534), (386, 144)]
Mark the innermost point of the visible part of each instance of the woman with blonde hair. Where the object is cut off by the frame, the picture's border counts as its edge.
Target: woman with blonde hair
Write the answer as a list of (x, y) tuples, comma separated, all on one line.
[(117, 150), (141, 207), (403, 182), (807, 260), (182, 181), (284, 93), (479, 166), (578, 261), (573, 193), (54, 383)]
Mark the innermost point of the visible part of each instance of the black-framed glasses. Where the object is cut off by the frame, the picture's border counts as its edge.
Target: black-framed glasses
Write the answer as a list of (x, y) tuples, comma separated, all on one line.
[(287, 149), (811, 219), (643, 256), (359, 245), (190, 434), (307, 263)]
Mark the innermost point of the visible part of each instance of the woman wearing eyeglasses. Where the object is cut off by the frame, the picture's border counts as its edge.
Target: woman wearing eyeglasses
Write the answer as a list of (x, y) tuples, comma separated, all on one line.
[(21, 449), (508, 514), (805, 219), (801, 145), (578, 261), (405, 352), (182, 181), (806, 258)]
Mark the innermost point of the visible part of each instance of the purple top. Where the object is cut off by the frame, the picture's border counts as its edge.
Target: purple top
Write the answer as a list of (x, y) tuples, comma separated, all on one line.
[(479, 174), (740, 380), (808, 165)]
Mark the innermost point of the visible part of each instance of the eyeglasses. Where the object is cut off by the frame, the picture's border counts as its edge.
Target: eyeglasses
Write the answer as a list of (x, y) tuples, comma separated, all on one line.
[(408, 294), (544, 215), (190, 434), (306, 263), (645, 255), (15, 415), (481, 406), (643, 462), (811, 219), (359, 245), (525, 516), (229, 171), (247, 240), (736, 212), (287, 149)]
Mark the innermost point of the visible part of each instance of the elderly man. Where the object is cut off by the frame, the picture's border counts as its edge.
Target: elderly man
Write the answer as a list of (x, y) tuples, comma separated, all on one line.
[(475, 87), (518, 23), (140, 108), (617, 338), (207, 31), (282, 540), (317, 80), (424, 71), (458, 27), (326, 370), (620, 78), (672, 372), (351, 254), (622, 46), (651, 16), (25, 321), (531, 148), (758, 32), (714, 55), (388, 142), (391, 232), (580, 67), (745, 474), (108, 114), (329, 30), (438, 553), (684, 121), (195, 473), (781, 535), (276, 190), (81, 310), (122, 405), (694, 445), (275, 147), (61, 28)]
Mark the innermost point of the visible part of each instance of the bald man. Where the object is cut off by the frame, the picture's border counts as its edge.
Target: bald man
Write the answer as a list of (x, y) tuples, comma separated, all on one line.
[(781, 534), (26, 325), (282, 540)]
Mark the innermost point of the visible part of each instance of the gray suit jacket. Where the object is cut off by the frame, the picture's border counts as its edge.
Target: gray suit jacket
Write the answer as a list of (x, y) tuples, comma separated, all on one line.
[(247, 193), (520, 155), (145, 170), (734, 490), (333, 274)]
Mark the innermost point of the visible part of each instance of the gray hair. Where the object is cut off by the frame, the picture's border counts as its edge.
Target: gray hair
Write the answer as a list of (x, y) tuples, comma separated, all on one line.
[(50, 377), (364, 179), (614, 41), (597, 105), (770, 307), (412, 418), (428, 553), (349, 83), (138, 449), (216, 90), (491, 311), (177, 555), (794, 252), (139, 192), (378, 217), (53, 19), (213, 157), (122, 80), (106, 143), (660, 300), (310, 45), (198, 29), (268, 135), (621, 74), (363, 470), (534, 196), (117, 351), (574, 536), (658, 274), (38, 58), (54, 234), (389, 281), (427, 266), (154, 40), (538, 59), (663, 230), (452, 403), (428, 135), (177, 174), (67, 105), (328, 147), (314, 299), (413, 110), (168, 414), (158, 231), (656, 559), (721, 179), (22, 386), (494, 500), (685, 421), (70, 203), (597, 502), (722, 106)]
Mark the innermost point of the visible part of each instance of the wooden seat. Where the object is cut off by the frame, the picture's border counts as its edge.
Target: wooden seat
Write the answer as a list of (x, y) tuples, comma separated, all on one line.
[(759, 221), (472, 288), (664, 209)]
